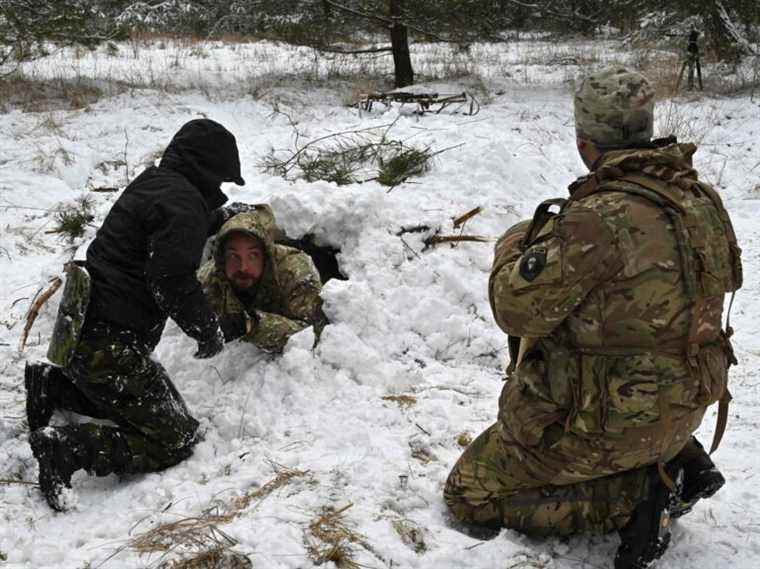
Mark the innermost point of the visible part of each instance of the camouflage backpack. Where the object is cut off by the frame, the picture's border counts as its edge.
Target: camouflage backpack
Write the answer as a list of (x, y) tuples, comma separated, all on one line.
[(71, 313), (710, 256)]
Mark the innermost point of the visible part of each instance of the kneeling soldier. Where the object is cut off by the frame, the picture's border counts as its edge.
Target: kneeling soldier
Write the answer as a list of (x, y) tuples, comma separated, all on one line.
[(616, 305)]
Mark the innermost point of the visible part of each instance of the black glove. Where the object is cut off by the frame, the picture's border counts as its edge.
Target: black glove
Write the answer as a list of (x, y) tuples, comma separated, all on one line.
[(210, 347), (221, 215), (235, 208), (235, 326)]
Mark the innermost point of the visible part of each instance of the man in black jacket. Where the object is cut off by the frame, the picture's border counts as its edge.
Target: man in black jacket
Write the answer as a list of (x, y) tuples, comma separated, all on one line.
[(142, 266)]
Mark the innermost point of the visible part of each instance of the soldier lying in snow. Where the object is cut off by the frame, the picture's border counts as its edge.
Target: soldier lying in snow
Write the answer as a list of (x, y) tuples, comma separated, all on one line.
[(264, 290)]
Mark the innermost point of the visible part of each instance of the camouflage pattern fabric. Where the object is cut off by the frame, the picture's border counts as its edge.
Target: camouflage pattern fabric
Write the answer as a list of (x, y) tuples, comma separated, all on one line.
[(113, 377), (615, 107), (285, 301), (619, 313), (482, 490), (71, 313)]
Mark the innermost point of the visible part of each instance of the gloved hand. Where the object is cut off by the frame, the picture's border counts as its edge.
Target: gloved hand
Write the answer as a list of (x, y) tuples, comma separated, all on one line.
[(235, 208), (235, 326), (209, 348)]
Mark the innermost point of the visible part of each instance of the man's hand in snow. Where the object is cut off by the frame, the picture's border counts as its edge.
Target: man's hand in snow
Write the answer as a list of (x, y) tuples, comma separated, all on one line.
[(209, 348)]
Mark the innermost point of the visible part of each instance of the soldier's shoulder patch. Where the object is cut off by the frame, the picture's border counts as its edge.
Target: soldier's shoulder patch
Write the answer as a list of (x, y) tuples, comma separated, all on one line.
[(533, 262)]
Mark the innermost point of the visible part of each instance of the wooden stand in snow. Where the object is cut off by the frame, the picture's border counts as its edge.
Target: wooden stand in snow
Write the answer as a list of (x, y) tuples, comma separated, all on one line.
[(426, 102)]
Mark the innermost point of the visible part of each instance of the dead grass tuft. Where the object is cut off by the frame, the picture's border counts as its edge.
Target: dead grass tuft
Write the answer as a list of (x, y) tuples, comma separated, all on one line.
[(403, 401), (201, 535), (28, 94), (329, 539), (283, 477), (213, 559), (196, 534), (411, 534)]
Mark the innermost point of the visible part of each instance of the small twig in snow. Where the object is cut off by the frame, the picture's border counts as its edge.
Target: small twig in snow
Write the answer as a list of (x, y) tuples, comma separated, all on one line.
[(464, 218), (436, 239)]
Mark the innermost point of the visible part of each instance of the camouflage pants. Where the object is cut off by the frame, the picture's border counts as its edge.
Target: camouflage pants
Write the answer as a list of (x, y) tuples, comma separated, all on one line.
[(111, 376), (481, 491)]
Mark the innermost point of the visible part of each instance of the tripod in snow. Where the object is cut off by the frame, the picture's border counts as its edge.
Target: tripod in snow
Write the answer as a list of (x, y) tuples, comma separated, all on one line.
[(692, 62)]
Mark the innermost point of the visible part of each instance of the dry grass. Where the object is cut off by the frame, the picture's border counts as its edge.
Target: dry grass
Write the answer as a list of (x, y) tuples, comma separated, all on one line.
[(201, 535), (403, 401), (684, 122), (35, 95), (411, 534), (328, 538), (213, 559), (195, 534)]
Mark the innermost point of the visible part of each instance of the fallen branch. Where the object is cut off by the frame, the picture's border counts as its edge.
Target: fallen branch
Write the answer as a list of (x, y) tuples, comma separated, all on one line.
[(436, 239), (34, 309), (462, 219)]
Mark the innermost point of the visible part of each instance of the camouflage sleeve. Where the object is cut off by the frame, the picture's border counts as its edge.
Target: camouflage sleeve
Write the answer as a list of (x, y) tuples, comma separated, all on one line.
[(299, 278), (273, 330), (534, 290)]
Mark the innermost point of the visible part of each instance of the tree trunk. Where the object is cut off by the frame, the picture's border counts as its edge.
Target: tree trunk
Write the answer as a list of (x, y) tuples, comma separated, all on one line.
[(402, 62)]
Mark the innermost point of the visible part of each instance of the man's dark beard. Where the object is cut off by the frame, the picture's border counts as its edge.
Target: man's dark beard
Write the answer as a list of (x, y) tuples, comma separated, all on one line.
[(247, 293)]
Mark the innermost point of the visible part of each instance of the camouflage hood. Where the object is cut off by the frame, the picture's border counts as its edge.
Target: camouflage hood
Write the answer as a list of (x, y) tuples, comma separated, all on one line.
[(671, 164), (259, 224)]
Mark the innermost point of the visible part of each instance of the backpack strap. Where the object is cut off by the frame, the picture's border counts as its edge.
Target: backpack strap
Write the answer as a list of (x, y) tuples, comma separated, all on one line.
[(540, 218)]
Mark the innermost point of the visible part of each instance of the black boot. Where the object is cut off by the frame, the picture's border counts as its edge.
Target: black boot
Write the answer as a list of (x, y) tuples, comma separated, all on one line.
[(701, 480), (40, 402), (646, 536), (59, 457)]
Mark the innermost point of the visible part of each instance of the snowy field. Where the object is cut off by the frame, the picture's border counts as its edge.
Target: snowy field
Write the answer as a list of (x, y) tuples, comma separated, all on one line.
[(371, 421)]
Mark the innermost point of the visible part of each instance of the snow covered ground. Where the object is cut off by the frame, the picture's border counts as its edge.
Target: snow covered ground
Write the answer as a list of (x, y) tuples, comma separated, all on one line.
[(408, 322)]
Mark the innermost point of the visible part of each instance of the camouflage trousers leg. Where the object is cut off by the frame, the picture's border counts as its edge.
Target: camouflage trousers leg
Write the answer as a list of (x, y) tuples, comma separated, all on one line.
[(154, 429), (64, 395), (483, 490)]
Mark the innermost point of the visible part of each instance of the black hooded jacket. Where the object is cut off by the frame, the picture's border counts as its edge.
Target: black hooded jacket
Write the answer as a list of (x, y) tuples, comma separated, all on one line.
[(144, 257)]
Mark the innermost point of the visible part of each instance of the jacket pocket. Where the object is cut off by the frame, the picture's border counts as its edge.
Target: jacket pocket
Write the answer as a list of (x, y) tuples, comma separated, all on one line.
[(525, 408), (633, 392)]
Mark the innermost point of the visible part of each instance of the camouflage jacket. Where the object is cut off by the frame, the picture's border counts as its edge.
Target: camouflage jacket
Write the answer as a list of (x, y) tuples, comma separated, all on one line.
[(618, 301), (286, 299)]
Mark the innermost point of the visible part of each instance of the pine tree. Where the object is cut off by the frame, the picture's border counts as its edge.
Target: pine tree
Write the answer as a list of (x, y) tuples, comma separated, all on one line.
[(26, 26)]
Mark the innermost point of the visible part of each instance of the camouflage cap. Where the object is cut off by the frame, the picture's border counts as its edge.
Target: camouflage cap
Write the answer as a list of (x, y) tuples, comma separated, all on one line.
[(615, 107)]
